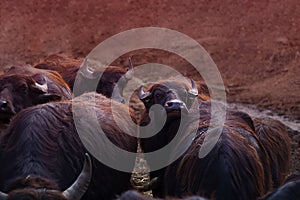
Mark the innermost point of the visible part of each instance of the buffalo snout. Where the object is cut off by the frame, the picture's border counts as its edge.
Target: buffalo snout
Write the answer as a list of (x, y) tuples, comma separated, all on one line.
[(3, 104), (175, 105), (5, 107)]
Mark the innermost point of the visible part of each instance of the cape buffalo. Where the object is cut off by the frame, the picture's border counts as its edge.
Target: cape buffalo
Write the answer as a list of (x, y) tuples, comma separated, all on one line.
[(53, 79), (113, 77), (36, 187), (175, 97), (21, 87), (43, 141), (237, 167)]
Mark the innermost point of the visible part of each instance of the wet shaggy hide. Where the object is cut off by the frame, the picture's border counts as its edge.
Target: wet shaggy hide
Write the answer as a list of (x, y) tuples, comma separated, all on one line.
[(133, 195), (290, 190), (43, 141), (274, 137), (160, 93), (34, 187), (234, 169)]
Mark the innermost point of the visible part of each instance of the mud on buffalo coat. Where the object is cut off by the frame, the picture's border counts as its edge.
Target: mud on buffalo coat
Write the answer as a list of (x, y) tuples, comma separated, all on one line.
[(113, 77), (43, 141)]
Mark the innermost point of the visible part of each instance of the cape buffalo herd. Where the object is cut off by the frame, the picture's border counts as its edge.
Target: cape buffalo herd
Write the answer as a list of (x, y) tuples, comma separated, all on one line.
[(112, 77), (43, 142), (59, 117)]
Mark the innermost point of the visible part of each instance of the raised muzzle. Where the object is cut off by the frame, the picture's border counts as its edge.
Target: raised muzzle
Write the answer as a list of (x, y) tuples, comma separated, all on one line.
[(175, 105)]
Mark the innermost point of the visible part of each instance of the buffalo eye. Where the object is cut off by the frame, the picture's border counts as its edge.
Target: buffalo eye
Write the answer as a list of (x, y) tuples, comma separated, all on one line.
[(159, 95), (146, 100), (22, 88)]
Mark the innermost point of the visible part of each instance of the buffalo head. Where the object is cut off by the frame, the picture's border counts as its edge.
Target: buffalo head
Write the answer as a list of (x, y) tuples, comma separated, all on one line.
[(36, 188), (113, 78), (20, 91), (112, 81), (175, 96)]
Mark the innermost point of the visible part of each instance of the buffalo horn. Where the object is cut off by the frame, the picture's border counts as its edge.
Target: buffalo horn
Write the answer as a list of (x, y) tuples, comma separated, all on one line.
[(43, 88), (3, 196), (85, 71), (129, 73), (142, 94), (79, 187), (194, 90)]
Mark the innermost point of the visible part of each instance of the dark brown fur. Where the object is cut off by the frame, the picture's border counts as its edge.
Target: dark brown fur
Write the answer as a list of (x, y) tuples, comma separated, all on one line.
[(133, 195), (167, 90), (32, 187), (290, 190), (69, 69), (55, 82), (234, 169), (274, 137), (43, 141), (20, 91)]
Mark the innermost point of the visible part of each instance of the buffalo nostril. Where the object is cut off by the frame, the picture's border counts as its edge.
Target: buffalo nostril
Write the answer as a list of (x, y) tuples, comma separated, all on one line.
[(170, 104), (174, 104), (3, 104)]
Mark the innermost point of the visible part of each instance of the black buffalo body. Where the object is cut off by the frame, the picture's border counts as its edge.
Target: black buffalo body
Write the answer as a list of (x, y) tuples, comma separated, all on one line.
[(42, 142), (238, 166)]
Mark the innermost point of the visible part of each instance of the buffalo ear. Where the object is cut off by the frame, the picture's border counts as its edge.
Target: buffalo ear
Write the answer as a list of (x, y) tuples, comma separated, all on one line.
[(40, 88), (194, 90), (143, 95), (43, 94), (129, 74), (246, 117)]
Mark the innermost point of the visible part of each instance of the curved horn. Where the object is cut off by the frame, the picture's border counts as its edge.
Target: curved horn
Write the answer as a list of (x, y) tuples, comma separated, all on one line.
[(79, 187), (43, 88), (85, 71), (142, 95), (129, 73), (194, 90), (3, 196)]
